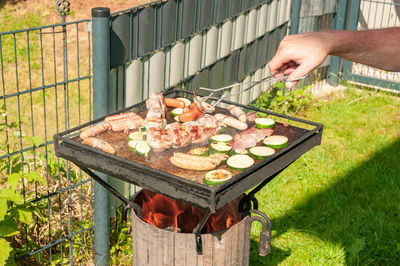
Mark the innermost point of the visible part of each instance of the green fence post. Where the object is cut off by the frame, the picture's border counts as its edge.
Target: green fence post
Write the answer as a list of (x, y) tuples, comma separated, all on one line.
[(101, 68), (339, 24), (295, 17)]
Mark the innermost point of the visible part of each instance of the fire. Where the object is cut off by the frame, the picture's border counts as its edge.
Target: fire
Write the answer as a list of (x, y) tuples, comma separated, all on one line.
[(163, 212)]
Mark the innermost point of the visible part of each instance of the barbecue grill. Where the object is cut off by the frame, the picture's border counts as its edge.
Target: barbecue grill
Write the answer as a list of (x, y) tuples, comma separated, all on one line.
[(303, 135)]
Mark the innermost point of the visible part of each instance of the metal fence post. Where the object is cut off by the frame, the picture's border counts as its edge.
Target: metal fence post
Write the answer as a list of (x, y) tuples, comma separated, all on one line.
[(339, 24), (295, 17), (101, 68)]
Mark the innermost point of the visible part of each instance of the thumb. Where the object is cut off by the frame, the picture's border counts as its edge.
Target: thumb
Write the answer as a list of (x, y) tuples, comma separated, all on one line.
[(299, 72)]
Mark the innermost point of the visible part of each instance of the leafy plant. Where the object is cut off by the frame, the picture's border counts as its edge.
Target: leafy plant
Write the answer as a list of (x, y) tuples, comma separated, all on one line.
[(14, 212), (285, 102)]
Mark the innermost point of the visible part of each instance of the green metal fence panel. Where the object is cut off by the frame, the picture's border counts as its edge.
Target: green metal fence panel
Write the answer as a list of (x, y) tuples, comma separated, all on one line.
[(368, 14), (46, 88)]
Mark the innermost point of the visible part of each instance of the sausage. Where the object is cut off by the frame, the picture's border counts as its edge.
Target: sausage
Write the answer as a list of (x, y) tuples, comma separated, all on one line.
[(94, 131), (231, 122), (171, 102), (194, 162), (124, 121), (99, 144), (193, 113), (237, 112)]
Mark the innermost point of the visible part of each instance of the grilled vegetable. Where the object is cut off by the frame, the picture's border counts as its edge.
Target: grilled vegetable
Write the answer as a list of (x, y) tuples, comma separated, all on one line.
[(143, 130), (216, 177), (220, 156), (186, 101), (264, 123), (201, 151), (220, 147), (142, 148), (234, 152), (177, 111), (276, 141), (137, 135), (231, 122), (237, 112), (261, 152), (221, 138), (171, 102), (99, 144), (240, 162), (194, 162), (132, 144)]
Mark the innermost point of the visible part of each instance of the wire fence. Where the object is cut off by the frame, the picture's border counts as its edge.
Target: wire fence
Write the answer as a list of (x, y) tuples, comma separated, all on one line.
[(46, 88), (46, 80)]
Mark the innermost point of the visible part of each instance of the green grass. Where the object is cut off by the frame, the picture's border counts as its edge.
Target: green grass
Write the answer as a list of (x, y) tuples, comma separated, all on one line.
[(339, 203)]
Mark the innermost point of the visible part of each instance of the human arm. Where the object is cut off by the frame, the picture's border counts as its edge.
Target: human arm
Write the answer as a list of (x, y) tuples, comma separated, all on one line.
[(302, 53)]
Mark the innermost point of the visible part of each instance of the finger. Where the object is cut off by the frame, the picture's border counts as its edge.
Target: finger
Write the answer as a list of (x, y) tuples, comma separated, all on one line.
[(299, 72)]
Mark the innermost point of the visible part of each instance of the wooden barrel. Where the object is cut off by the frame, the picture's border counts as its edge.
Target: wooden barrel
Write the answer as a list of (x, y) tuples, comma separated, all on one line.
[(156, 247)]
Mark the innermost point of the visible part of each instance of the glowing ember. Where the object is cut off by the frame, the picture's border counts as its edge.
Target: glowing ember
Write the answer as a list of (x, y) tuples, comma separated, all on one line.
[(163, 212)]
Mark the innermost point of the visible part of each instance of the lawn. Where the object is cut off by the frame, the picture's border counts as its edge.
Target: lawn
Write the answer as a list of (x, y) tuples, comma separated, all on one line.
[(339, 203)]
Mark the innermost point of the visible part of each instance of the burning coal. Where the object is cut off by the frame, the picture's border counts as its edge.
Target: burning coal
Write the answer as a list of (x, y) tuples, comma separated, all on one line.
[(163, 212)]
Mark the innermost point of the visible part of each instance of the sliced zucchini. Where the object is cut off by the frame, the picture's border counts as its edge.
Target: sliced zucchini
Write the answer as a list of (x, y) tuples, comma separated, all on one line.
[(234, 152), (264, 122), (142, 148), (222, 128), (186, 101), (137, 135), (177, 111), (132, 144), (143, 130), (240, 162), (261, 152), (220, 147), (276, 141), (220, 156), (216, 177), (176, 118), (221, 138), (201, 151)]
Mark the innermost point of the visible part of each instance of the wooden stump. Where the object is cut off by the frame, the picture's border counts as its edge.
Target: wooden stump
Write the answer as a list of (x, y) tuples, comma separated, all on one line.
[(156, 247)]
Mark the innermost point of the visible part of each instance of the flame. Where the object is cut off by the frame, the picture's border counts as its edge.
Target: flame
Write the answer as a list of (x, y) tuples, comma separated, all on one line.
[(163, 212)]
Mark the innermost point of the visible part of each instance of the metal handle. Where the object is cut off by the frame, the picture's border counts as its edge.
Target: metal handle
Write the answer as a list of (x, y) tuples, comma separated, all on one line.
[(265, 234)]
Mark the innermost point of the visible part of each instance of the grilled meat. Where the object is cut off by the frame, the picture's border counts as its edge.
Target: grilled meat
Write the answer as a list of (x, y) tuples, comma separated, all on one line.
[(250, 137), (155, 117)]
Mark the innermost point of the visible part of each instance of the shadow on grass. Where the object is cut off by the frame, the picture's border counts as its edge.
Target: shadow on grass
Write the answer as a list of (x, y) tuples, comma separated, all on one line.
[(360, 213)]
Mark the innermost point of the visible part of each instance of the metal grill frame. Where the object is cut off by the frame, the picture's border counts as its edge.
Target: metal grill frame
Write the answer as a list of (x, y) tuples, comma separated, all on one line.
[(200, 195)]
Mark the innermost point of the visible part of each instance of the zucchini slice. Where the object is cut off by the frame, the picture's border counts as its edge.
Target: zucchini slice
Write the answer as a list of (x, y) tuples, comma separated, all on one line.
[(137, 135), (216, 177), (177, 111), (186, 101), (132, 144), (234, 152), (143, 130), (264, 122), (221, 138), (261, 152), (176, 118), (201, 151), (220, 156), (276, 141), (142, 148), (220, 147), (240, 162)]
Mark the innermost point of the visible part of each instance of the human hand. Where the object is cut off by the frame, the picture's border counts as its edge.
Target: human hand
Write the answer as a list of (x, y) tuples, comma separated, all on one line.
[(299, 54)]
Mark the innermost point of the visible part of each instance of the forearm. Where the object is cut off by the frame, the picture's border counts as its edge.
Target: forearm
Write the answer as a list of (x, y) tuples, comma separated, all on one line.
[(379, 48)]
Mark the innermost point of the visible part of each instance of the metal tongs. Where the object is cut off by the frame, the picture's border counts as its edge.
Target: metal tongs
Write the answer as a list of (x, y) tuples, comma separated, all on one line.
[(209, 108)]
